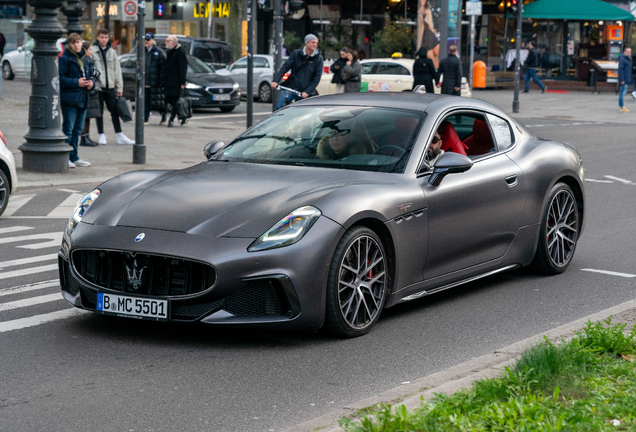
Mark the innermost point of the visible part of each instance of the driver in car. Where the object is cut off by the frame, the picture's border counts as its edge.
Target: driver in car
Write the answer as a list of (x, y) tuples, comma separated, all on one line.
[(434, 149), (337, 145)]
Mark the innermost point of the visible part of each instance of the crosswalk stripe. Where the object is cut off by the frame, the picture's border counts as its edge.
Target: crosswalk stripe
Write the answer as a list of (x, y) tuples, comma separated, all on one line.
[(28, 271), (29, 260), (66, 208), (68, 190), (14, 229), (31, 301), (29, 287), (38, 319), (54, 240), (611, 273), (15, 203)]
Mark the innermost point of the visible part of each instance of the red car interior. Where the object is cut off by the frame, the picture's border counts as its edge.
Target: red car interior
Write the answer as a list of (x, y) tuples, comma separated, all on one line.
[(480, 142), (450, 140)]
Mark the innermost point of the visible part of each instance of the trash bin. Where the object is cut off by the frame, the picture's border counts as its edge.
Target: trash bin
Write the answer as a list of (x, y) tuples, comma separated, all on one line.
[(479, 74)]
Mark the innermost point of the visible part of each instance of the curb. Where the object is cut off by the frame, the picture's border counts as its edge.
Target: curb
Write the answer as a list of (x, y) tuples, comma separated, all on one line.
[(457, 377)]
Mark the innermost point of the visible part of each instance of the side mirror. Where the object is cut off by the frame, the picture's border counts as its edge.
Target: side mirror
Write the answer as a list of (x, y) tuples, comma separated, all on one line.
[(212, 148), (419, 89), (20, 49), (228, 67), (449, 163)]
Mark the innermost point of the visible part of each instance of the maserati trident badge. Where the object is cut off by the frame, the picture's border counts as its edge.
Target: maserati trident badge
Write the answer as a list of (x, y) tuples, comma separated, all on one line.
[(140, 237), (135, 275)]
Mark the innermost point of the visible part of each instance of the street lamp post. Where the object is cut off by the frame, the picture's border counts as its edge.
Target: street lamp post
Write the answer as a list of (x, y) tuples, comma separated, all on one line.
[(73, 11), (45, 149)]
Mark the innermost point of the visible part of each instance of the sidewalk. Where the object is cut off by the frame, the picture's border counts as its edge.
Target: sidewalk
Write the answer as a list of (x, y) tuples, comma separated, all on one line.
[(181, 146)]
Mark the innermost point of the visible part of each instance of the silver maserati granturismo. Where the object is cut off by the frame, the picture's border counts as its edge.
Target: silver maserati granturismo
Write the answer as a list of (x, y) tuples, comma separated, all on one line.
[(327, 212)]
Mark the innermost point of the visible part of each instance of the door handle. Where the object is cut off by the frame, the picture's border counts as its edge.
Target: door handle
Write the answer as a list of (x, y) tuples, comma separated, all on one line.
[(512, 180)]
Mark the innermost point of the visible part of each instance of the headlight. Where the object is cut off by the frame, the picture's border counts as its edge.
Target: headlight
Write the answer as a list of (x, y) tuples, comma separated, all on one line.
[(193, 86), (235, 86), (288, 230), (81, 208)]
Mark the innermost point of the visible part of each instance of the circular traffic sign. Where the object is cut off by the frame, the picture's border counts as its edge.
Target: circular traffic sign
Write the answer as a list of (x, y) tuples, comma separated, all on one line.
[(130, 8)]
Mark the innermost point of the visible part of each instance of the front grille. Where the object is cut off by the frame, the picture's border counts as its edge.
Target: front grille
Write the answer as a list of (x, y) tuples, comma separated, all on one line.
[(143, 274), (218, 90), (194, 311), (258, 297)]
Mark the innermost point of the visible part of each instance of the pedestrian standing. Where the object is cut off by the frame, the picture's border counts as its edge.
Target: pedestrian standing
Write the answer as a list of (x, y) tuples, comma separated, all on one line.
[(3, 42), (424, 71), (174, 75), (155, 61), (624, 76), (75, 82), (305, 65), (93, 110), (531, 64), (112, 83), (451, 68), (336, 70), (351, 72)]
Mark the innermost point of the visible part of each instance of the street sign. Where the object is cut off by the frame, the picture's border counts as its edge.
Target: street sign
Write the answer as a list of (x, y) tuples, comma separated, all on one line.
[(473, 8), (129, 11)]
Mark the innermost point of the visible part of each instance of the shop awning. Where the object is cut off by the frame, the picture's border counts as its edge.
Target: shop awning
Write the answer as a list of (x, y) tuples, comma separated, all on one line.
[(591, 10)]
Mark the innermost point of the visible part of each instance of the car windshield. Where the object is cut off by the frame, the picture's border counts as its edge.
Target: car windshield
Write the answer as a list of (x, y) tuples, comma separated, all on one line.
[(356, 138), (197, 66)]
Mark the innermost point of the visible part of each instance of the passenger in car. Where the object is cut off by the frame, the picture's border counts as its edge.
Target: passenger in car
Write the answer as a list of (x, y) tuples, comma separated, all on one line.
[(339, 144)]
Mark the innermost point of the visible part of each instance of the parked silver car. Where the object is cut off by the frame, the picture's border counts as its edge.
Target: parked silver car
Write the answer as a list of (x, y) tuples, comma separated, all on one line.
[(8, 178), (17, 63), (263, 75)]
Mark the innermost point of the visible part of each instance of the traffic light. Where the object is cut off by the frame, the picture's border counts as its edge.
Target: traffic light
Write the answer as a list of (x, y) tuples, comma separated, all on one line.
[(512, 7)]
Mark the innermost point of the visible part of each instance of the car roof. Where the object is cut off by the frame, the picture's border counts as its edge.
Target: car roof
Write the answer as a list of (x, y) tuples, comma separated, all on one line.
[(402, 61), (163, 35)]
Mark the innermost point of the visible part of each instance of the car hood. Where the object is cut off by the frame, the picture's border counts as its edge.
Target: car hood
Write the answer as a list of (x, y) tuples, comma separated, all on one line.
[(210, 80), (233, 199)]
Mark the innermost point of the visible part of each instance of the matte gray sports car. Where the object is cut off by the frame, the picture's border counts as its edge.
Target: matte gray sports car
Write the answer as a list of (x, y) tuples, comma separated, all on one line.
[(327, 212)]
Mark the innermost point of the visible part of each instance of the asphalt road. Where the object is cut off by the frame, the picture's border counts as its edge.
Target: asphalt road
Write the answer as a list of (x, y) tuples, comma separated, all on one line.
[(89, 372)]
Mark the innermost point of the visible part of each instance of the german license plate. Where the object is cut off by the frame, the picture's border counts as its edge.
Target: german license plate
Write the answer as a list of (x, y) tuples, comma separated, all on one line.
[(133, 307), (220, 97)]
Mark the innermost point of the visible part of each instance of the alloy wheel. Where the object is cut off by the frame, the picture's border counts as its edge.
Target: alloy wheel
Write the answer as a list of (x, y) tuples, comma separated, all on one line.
[(562, 228), (265, 93), (362, 282)]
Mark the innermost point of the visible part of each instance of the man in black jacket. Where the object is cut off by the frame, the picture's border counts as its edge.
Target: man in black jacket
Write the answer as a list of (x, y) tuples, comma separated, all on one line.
[(306, 69), (451, 68), (155, 61), (174, 75), (531, 64)]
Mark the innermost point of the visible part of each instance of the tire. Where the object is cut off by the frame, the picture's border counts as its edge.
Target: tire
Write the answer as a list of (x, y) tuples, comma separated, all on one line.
[(265, 92), (227, 109), (356, 293), (7, 72), (4, 191), (559, 231)]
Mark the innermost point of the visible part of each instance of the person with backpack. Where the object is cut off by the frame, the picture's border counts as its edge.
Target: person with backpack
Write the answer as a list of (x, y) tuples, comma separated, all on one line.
[(306, 69)]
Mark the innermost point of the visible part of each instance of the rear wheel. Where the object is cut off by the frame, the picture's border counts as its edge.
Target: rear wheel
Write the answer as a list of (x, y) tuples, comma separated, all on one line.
[(227, 109), (559, 231), (265, 92), (7, 72), (4, 192), (357, 285)]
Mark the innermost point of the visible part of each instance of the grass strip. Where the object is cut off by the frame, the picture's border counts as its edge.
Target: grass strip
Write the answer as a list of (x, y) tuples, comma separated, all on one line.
[(585, 384)]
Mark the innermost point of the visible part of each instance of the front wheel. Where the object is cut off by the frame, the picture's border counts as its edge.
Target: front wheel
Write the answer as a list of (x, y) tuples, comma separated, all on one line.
[(7, 72), (227, 109), (265, 92), (559, 231), (4, 192), (357, 284)]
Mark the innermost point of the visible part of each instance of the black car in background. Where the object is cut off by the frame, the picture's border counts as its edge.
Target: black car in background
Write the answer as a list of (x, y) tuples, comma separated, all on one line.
[(212, 52), (205, 87)]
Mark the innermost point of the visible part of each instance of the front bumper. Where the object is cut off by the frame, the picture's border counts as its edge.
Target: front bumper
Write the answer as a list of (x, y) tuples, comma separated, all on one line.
[(280, 288), (204, 98)]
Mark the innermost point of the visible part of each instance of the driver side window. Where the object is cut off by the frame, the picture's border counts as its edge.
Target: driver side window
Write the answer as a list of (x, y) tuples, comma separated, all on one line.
[(241, 64)]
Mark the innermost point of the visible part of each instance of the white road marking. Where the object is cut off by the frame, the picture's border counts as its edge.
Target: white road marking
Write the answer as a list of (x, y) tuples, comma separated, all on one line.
[(38, 319), (29, 260), (223, 116), (618, 179), (611, 273), (31, 301), (69, 190), (55, 239), (15, 203), (29, 287), (28, 271), (66, 208), (598, 181), (14, 229)]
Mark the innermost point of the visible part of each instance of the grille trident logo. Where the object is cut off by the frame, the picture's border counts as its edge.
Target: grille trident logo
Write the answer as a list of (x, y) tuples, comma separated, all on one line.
[(135, 275)]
